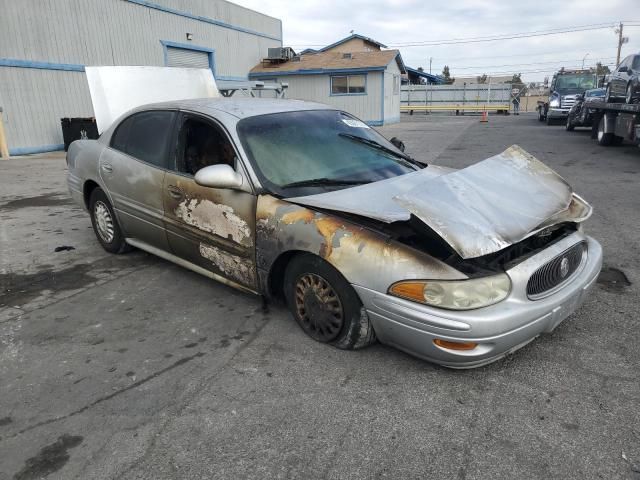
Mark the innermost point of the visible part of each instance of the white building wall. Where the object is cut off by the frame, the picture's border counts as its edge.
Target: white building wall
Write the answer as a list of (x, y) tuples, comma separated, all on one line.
[(108, 32), (317, 88), (391, 96)]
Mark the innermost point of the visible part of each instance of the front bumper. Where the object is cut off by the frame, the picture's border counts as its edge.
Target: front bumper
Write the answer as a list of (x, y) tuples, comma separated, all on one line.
[(558, 112), (498, 329)]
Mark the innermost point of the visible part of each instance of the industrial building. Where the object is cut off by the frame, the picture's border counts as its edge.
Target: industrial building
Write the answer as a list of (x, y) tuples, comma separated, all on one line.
[(354, 74), (45, 45)]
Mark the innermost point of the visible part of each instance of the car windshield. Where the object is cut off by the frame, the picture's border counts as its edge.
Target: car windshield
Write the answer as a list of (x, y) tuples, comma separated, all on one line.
[(307, 152), (577, 82)]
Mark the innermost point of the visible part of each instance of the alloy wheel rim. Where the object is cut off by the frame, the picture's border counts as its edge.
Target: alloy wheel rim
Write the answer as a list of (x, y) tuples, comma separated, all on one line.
[(318, 307), (104, 221)]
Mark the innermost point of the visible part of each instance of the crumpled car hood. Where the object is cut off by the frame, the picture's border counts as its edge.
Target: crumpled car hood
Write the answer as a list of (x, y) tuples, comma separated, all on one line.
[(477, 210)]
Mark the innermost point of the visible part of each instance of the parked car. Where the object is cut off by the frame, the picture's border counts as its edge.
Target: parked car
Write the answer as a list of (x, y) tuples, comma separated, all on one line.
[(623, 83), (302, 202), (580, 115)]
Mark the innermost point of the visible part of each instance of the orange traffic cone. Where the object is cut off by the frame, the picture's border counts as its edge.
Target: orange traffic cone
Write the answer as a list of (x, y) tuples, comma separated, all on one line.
[(485, 117)]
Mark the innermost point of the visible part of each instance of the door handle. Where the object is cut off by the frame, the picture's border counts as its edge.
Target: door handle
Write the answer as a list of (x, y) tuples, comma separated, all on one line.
[(175, 192), (106, 167)]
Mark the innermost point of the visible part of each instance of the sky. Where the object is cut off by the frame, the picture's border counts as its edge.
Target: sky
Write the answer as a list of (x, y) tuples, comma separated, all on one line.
[(396, 23)]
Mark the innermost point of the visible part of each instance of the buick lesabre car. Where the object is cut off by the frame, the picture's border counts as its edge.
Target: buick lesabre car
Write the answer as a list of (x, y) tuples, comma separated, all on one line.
[(306, 203)]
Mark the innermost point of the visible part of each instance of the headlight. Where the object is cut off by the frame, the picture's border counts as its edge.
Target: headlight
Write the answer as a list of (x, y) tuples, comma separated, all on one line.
[(555, 102), (455, 294)]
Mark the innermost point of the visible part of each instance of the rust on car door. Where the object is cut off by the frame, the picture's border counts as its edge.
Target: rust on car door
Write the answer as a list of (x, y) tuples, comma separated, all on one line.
[(213, 228)]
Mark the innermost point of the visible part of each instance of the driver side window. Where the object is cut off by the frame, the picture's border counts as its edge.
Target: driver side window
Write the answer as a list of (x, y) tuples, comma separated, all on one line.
[(201, 144)]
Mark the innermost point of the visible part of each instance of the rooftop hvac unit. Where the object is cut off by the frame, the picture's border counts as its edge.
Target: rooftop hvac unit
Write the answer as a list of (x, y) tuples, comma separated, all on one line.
[(283, 54)]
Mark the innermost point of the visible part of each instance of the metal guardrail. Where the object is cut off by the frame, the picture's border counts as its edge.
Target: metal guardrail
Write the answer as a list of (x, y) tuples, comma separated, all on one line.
[(450, 108)]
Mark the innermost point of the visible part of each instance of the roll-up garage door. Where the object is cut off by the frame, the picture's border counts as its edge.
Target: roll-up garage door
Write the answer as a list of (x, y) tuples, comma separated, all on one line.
[(182, 57)]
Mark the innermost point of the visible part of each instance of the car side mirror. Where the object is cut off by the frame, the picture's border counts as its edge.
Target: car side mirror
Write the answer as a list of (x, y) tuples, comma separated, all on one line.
[(218, 176), (623, 69), (399, 144)]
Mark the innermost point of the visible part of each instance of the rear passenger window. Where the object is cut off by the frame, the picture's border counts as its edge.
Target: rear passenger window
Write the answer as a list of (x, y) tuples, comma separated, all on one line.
[(145, 136)]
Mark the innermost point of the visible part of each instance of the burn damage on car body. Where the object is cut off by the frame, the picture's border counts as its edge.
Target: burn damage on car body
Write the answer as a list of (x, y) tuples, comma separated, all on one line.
[(362, 254)]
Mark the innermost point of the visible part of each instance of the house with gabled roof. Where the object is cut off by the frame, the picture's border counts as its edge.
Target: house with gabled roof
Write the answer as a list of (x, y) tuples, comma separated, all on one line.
[(356, 74)]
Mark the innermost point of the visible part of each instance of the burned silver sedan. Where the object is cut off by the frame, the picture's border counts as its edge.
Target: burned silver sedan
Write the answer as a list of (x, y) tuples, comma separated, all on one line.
[(301, 202)]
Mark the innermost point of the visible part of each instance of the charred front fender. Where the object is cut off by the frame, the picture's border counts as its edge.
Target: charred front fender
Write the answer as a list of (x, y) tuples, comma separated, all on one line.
[(364, 256)]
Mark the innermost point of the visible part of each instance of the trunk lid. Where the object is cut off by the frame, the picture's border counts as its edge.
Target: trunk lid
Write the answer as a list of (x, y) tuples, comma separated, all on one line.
[(116, 90)]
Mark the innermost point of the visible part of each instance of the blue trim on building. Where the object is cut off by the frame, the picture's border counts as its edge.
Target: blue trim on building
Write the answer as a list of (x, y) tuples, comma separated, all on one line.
[(231, 79), (39, 149), (67, 67), (435, 79), (331, 94), (187, 46), (200, 18), (316, 71)]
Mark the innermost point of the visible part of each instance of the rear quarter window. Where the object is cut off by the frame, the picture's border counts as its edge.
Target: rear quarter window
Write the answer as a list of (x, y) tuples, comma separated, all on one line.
[(145, 136)]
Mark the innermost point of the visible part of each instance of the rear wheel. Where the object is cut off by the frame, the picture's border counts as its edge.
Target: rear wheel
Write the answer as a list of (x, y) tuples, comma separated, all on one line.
[(105, 224), (325, 305), (604, 139), (540, 115), (628, 98)]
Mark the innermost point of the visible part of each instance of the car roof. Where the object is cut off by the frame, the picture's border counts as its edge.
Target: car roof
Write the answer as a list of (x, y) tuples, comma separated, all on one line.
[(240, 107)]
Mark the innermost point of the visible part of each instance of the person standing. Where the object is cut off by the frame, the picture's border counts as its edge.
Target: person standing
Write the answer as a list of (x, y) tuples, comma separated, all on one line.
[(516, 105)]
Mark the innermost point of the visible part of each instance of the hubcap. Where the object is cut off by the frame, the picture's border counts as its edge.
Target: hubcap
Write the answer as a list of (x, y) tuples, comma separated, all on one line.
[(318, 307), (104, 221)]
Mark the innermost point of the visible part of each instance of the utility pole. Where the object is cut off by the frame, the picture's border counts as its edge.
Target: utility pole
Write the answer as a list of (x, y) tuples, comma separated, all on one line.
[(621, 40), (430, 60)]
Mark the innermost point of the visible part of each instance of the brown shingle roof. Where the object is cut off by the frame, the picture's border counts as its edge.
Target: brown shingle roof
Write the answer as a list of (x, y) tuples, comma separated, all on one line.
[(331, 61)]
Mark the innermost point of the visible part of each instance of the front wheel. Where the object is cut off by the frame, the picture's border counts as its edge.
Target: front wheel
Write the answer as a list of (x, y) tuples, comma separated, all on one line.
[(540, 115), (550, 121), (604, 139), (569, 126), (607, 94), (325, 305), (105, 224)]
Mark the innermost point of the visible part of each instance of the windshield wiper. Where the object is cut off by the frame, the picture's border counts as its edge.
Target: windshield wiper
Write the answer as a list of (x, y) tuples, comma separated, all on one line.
[(313, 182), (379, 146)]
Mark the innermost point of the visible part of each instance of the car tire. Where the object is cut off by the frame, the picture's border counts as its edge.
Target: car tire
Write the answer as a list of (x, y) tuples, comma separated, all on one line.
[(628, 98), (604, 139), (540, 115), (569, 126), (105, 223), (607, 95), (550, 120), (616, 140), (325, 305)]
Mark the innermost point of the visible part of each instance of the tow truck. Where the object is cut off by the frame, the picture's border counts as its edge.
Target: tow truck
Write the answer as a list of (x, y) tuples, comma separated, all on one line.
[(615, 122), (565, 86)]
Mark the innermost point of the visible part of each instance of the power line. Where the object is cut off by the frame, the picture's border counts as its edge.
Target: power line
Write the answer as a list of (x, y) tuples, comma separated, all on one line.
[(496, 38), (511, 72), (527, 64), (526, 54)]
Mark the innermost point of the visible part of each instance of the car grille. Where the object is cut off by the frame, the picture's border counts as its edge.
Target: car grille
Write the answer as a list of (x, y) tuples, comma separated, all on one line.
[(552, 275), (568, 101)]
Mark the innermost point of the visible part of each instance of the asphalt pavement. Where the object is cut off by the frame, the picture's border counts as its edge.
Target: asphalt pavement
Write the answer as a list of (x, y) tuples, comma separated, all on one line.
[(130, 367)]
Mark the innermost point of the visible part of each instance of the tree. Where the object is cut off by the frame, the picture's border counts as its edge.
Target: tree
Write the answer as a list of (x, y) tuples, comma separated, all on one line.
[(482, 78), (516, 80), (602, 69), (448, 80)]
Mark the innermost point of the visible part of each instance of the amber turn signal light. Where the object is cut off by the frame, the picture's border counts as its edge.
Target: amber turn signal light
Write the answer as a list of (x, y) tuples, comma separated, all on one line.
[(455, 345), (409, 290)]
